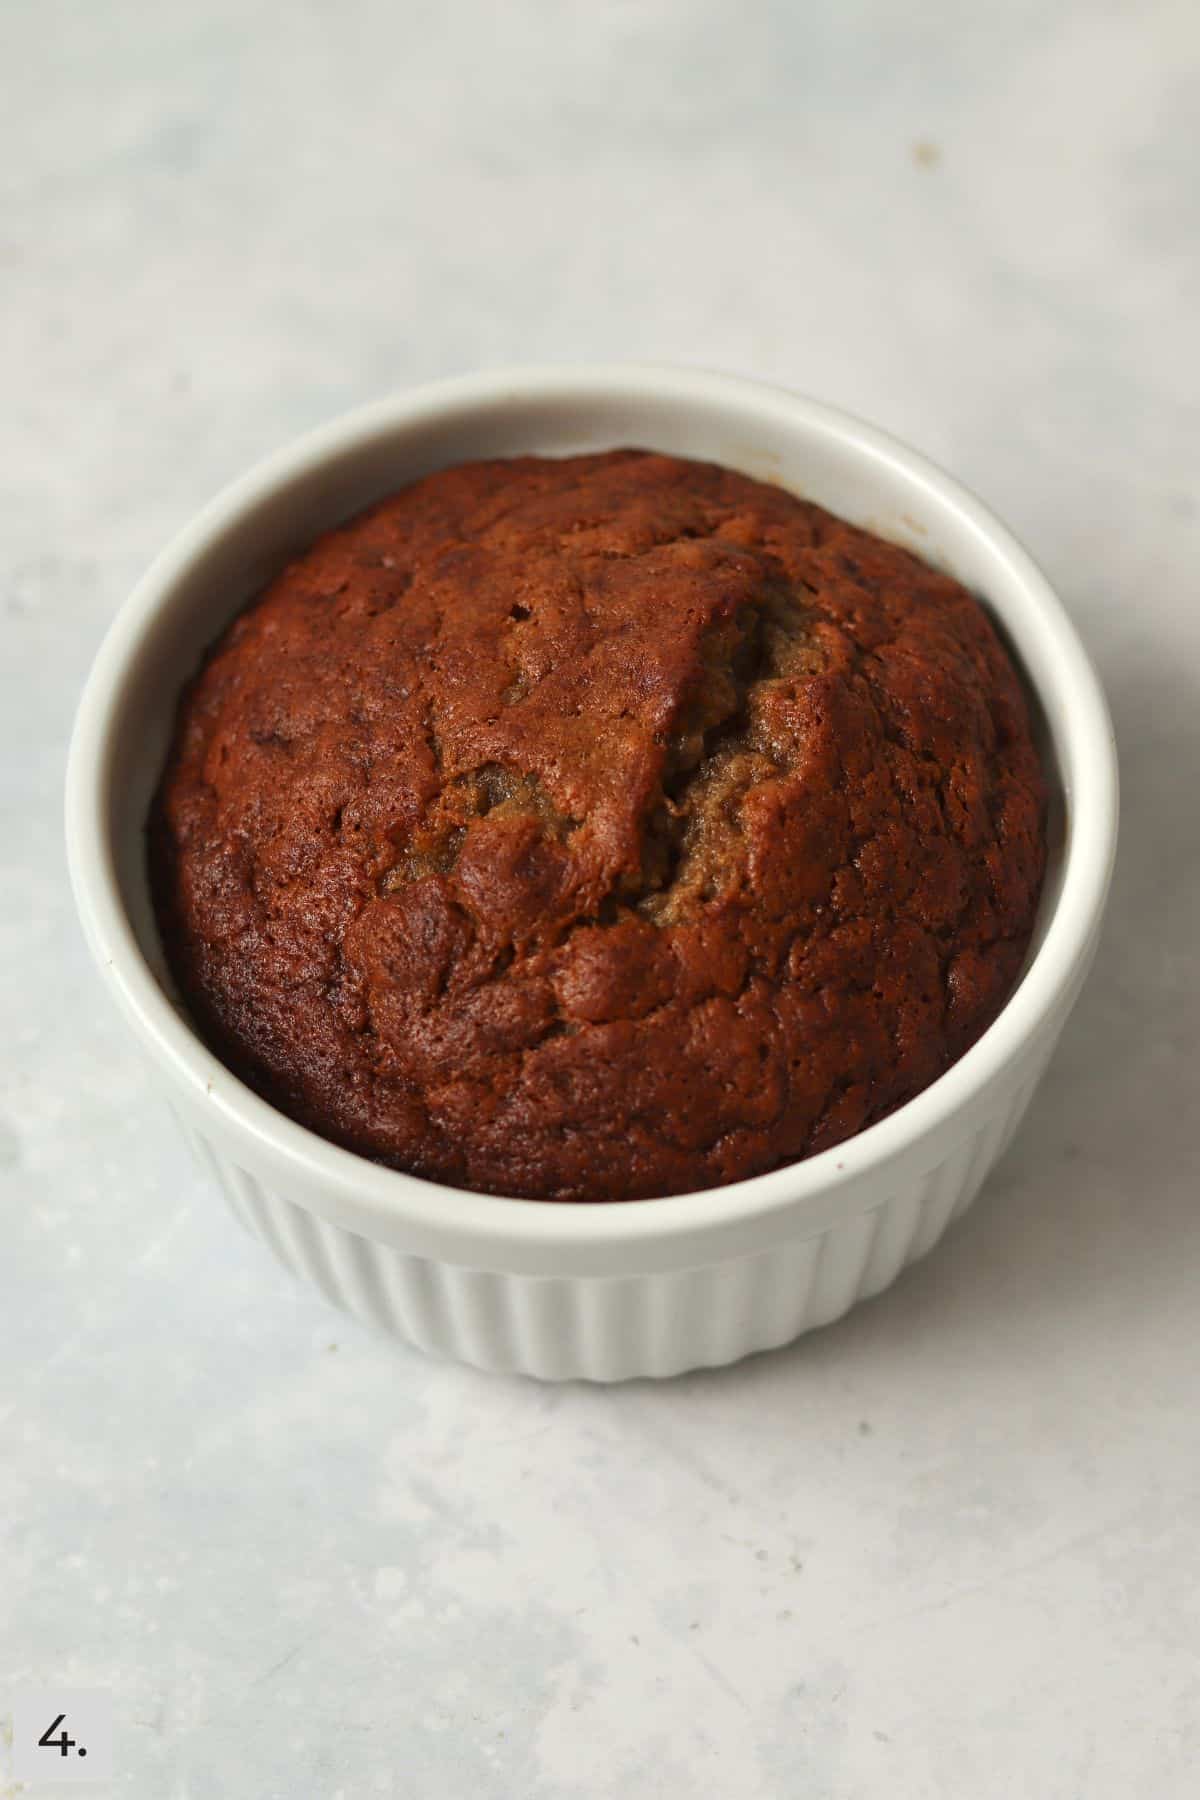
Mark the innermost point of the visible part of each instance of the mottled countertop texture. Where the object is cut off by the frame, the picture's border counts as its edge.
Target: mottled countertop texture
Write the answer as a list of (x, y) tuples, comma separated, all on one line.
[(948, 1548)]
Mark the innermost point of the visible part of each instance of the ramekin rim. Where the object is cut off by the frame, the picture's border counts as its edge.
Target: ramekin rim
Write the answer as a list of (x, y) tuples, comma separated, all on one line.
[(462, 1217)]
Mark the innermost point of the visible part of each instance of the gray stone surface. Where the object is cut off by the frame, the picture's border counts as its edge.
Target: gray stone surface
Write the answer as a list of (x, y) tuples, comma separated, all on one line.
[(947, 1548)]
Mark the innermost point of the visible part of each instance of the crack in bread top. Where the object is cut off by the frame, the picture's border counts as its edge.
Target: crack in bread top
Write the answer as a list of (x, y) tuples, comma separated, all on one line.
[(598, 828)]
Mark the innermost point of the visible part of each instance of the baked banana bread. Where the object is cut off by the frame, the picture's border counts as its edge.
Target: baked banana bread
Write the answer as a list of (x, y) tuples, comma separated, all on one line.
[(598, 828)]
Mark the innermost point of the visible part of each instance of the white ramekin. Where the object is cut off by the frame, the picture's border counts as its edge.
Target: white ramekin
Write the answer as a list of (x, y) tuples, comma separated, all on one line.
[(609, 1291)]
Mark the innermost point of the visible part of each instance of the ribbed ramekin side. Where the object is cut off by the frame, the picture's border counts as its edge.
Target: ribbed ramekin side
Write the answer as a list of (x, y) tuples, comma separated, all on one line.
[(615, 1328)]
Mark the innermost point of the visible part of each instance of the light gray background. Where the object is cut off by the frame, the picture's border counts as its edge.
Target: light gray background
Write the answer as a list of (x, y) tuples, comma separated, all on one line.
[(948, 1548)]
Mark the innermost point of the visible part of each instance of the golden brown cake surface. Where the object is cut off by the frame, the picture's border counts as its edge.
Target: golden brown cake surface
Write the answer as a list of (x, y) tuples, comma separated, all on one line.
[(598, 828)]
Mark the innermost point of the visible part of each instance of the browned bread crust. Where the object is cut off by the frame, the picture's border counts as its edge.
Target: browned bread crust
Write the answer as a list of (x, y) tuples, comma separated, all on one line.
[(599, 828)]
